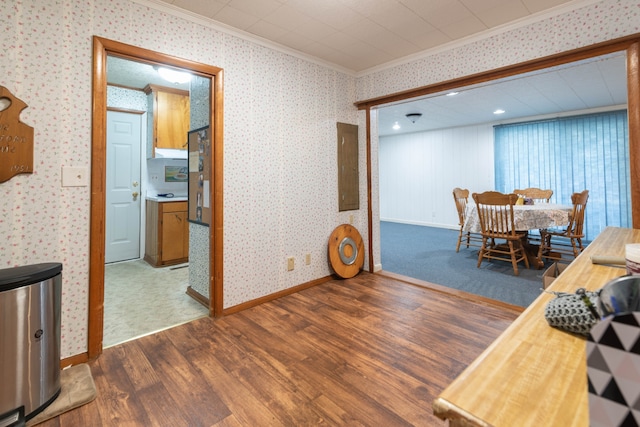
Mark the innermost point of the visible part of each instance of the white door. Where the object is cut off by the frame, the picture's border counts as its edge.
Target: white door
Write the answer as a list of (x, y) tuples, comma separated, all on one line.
[(124, 135)]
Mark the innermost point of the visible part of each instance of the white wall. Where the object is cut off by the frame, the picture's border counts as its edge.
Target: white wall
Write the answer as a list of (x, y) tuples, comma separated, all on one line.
[(418, 172)]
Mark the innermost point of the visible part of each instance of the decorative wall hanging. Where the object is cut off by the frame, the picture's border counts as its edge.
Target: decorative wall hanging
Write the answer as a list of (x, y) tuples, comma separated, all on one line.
[(346, 251), (16, 138), (199, 175)]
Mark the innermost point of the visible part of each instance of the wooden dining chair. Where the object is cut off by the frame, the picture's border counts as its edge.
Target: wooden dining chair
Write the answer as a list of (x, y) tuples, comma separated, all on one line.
[(461, 198), (568, 241), (538, 195), (495, 212)]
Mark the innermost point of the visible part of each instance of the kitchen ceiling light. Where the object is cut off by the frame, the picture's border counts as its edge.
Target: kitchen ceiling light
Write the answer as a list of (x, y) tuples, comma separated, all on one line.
[(396, 126), (498, 111), (413, 117), (174, 76)]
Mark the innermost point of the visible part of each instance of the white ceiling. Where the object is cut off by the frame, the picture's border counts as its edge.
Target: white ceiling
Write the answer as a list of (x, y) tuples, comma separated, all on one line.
[(593, 84), (360, 34)]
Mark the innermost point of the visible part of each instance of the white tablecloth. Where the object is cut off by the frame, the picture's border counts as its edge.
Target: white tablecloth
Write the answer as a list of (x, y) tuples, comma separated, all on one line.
[(526, 217)]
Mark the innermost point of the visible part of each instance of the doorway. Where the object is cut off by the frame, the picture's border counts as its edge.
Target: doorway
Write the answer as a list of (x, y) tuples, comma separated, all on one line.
[(629, 44), (101, 49)]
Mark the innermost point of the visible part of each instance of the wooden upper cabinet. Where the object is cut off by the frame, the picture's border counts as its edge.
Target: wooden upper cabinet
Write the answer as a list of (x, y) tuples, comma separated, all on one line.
[(170, 117)]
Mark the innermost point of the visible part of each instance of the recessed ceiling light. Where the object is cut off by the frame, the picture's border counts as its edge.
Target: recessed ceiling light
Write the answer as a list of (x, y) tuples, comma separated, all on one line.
[(396, 126), (452, 93), (498, 111)]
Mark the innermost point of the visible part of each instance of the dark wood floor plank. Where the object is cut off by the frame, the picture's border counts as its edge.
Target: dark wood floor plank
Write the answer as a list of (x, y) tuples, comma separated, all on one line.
[(246, 408), (366, 351), (184, 384)]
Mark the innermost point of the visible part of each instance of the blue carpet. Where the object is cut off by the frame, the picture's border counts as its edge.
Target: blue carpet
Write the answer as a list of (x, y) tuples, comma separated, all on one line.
[(429, 254)]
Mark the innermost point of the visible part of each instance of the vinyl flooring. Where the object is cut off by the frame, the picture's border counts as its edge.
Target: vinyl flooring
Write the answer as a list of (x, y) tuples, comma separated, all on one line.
[(140, 299), (366, 351)]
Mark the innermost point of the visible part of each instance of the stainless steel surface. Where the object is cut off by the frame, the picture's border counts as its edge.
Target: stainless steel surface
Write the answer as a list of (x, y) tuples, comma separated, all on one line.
[(29, 341), (620, 295)]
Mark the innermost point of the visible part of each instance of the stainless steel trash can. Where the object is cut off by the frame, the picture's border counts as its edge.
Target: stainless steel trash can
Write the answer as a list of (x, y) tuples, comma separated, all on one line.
[(30, 299)]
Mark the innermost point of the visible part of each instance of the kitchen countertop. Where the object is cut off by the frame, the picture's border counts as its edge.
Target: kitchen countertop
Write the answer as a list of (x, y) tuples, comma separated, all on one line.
[(168, 199)]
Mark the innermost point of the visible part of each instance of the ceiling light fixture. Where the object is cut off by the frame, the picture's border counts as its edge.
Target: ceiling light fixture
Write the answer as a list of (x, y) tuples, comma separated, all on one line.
[(498, 111), (174, 76), (413, 117), (452, 93), (396, 126)]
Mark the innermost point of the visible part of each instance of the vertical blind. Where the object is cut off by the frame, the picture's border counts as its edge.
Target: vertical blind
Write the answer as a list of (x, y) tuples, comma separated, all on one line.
[(568, 155)]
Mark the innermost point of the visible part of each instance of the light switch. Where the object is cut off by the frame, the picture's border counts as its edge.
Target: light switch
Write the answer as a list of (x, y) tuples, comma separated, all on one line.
[(75, 176)]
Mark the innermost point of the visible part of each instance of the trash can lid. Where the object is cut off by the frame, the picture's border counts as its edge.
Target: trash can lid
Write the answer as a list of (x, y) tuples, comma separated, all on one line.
[(11, 278)]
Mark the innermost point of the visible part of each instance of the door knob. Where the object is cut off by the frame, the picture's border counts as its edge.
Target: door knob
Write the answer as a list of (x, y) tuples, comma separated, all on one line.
[(135, 195)]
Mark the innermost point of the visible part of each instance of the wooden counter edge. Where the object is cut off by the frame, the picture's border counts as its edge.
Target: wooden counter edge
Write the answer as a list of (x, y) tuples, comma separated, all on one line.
[(457, 417), (610, 242)]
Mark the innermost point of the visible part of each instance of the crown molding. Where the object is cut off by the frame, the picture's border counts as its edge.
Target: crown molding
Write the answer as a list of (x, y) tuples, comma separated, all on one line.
[(170, 9), (235, 32), (510, 26)]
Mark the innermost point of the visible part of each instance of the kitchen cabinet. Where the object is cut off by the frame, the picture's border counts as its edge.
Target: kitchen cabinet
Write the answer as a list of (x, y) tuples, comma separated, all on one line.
[(169, 121), (167, 235)]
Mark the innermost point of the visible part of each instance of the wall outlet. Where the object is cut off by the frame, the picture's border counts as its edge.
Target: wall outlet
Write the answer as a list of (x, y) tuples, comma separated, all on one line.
[(351, 219), (154, 177), (307, 259), (290, 263)]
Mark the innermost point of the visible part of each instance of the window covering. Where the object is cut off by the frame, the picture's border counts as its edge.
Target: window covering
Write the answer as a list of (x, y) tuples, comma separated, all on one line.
[(570, 155)]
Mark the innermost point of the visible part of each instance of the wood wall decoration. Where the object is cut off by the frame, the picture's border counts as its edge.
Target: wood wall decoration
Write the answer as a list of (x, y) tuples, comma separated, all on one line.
[(16, 138), (346, 251)]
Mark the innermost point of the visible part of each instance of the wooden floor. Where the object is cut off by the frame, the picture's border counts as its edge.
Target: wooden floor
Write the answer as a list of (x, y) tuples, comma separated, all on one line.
[(367, 351)]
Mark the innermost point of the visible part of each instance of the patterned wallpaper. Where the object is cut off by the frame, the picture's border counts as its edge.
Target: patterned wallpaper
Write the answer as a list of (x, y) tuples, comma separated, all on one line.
[(596, 22), (280, 174)]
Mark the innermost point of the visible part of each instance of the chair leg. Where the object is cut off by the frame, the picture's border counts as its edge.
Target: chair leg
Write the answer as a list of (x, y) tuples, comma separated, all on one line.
[(576, 248), (459, 240), (514, 261), (468, 239), (482, 251), (524, 255)]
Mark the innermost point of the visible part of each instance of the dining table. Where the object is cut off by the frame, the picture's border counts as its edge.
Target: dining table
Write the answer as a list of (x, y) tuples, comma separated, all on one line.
[(525, 218)]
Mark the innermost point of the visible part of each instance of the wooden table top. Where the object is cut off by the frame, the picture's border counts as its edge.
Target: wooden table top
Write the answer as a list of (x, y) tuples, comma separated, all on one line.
[(533, 374)]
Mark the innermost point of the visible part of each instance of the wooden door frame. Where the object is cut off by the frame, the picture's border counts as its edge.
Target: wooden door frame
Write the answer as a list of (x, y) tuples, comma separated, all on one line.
[(101, 49), (629, 44)]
